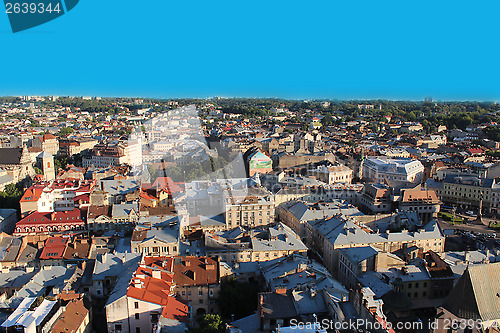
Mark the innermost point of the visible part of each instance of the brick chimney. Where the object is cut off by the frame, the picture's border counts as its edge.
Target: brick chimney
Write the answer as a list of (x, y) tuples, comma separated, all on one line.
[(281, 290)]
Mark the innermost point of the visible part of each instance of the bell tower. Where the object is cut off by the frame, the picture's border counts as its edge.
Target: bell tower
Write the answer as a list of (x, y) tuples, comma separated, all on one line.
[(46, 160)]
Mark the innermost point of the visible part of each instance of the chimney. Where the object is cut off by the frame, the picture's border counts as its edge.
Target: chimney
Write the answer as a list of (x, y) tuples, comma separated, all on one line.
[(281, 290), (156, 274), (137, 283), (467, 256)]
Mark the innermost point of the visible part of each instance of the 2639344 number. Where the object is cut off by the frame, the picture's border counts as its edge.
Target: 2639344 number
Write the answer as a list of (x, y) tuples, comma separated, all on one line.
[(31, 8)]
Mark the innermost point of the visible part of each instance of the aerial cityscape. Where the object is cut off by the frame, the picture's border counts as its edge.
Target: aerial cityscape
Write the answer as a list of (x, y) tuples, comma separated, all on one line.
[(248, 215)]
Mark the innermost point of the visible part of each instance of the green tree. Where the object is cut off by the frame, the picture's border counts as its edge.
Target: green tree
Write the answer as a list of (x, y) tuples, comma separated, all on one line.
[(210, 323), (238, 299), (65, 131)]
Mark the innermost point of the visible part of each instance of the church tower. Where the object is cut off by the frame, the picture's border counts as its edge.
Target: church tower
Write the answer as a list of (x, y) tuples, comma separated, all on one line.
[(46, 160)]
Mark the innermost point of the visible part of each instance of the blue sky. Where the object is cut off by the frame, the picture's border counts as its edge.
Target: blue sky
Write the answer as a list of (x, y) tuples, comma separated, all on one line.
[(447, 50)]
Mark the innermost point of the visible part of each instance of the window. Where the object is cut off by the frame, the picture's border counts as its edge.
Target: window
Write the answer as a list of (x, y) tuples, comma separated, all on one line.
[(183, 293), (137, 316), (201, 301), (137, 330), (118, 327), (136, 305), (200, 293)]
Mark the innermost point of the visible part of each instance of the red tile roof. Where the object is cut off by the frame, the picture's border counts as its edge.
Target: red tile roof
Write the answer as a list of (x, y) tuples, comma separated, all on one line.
[(192, 270), (168, 184), (72, 318), (47, 137), (32, 194), (157, 290), (176, 310), (67, 217), (54, 248)]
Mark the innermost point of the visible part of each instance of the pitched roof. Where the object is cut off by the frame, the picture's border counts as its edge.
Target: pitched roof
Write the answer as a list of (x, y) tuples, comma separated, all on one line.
[(95, 211), (46, 137), (10, 155), (69, 217), (477, 294), (72, 318), (54, 248), (191, 270)]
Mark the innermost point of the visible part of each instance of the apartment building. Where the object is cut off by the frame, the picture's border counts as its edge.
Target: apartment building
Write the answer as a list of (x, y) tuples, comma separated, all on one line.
[(422, 201), (254, 245), (295, 213), (376, 198), (37, 223), (328, 236), (156, 241), (142, 299), (397, 171), (468, 191), (70, 147), (114, 154), (57, 195), (243, 202), (332, 174), (197, 282)]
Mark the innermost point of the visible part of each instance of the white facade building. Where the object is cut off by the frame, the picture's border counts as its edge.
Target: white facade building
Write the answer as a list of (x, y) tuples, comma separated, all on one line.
[(382, 169)]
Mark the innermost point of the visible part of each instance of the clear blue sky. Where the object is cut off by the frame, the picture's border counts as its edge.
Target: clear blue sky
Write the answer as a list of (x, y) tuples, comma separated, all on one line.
[(447, 50)]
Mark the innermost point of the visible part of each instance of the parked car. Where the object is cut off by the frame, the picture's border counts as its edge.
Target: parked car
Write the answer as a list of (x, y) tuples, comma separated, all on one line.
[(470, 213)]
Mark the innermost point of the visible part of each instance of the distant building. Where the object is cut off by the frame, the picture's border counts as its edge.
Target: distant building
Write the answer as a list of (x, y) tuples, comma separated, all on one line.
[(468, 191), (381, 169), (239, 245), (328, 236), (114, 154), (332, 174), (47, 143), (257, 162)]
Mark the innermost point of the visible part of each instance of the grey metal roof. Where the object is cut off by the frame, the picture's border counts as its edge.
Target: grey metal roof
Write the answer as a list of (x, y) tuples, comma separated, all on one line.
[(476, 295), (341, 231), (359, 254), (308, 212), (107, 265), (117, 187), (123, 210)]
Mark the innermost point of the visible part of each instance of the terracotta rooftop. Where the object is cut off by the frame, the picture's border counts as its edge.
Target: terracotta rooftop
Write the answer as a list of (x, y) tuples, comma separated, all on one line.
[(72, 318), (191, 270), (417, 195), (66, 217), (95, 211)]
